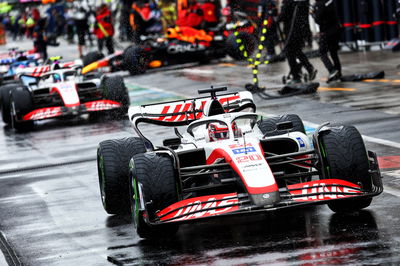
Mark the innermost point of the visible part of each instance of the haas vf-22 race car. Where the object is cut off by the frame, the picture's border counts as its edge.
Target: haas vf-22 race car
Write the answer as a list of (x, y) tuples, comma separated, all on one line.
[(228, 161), (62, 92)]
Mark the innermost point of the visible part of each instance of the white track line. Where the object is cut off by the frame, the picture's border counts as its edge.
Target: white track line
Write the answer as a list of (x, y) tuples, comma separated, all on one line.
[(391, 191)]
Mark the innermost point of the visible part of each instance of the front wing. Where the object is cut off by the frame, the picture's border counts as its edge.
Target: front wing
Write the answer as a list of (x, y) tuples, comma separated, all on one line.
[(58, 111), (301, 194)]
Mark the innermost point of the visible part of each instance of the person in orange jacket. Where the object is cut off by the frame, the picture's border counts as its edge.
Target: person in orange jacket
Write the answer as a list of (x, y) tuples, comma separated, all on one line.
[(104, 29)]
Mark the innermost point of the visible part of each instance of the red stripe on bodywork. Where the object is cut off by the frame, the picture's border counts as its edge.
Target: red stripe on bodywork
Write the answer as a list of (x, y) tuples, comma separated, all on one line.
[(386, 162), (163, 112), (176, 110)]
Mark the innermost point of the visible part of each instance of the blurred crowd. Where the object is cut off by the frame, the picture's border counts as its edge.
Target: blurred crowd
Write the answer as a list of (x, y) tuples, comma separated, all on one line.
[(83, 23)]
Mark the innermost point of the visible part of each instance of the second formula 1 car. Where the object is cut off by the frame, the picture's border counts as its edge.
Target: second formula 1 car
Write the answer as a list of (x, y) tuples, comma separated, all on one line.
[(179, 45), (228, 161), (62, 92)]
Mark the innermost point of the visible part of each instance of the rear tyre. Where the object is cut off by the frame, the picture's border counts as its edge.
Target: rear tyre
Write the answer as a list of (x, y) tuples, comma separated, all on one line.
[(92, 57), (134, 60), (114, 89), (268, 126), (20, 104), (113, 169), (345, 157), (5, 102), (156, 176), (233, 47)]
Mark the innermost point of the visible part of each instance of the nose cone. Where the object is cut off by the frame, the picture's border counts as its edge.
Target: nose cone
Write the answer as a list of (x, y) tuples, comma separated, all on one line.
[(265, 199)]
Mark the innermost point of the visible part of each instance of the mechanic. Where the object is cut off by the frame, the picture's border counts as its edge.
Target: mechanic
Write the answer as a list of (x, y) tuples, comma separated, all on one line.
[(294, 15), (191, 16), (104, 29), (168, 13), (325, 15)]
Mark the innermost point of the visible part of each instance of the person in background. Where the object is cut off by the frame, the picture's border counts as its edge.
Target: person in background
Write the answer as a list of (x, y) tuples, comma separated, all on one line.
[(325, 15), (81, 26), (21, 25), (40, 38), (271, 11), (294, 15), (191, 16), (125, 27), (30, 24), (70, 25), (168, 13), (104, 29)]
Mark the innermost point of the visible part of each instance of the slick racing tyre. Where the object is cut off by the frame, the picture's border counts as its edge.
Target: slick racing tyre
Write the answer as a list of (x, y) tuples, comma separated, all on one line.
[(92, 57), (5, 102), (21, 103), (113, 158), (114, 89), (155, 175), (345, 157), (268, 126), (233, 46), (134, 60)]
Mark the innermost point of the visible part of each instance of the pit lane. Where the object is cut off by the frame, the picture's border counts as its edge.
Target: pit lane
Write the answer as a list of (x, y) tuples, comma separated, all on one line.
[(51, 211)]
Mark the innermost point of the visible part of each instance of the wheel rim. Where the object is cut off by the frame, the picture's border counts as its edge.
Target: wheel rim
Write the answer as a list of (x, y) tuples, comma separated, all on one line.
[(135, 202)]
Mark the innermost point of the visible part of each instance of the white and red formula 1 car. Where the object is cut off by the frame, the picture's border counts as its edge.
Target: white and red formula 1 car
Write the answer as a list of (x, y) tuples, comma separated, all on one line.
[(228, 161), (60, 90)]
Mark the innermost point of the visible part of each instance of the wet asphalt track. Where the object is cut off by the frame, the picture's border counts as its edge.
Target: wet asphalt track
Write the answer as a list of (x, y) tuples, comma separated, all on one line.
[(50, 207)]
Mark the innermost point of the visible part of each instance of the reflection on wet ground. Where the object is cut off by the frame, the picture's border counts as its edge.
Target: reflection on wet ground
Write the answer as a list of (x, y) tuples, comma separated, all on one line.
[(300, 237)]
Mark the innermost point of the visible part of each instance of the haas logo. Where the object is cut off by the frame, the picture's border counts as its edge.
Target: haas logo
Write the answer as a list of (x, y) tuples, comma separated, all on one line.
[(183, 48), (211, 208)]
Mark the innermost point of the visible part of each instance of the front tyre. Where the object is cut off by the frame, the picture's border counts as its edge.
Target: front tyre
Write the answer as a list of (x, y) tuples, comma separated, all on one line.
[(156, 176), (21, 103), (345, 157), (5, 102)]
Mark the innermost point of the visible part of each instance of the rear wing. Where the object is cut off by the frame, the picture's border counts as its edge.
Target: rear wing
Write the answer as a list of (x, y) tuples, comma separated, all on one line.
[(183, 112), (37, 71)]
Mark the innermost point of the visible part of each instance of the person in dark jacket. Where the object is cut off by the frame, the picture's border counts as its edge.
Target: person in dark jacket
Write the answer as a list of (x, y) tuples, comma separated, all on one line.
[(325, 15), (270, 11), (40, 38), (294, 15)]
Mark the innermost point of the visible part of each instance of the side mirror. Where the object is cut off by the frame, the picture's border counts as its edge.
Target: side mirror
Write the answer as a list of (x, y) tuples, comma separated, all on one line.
[(284, 125)]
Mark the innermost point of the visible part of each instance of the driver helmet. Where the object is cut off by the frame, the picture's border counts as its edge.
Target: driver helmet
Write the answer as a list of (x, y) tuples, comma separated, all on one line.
[(57, 77), (237, 132), (217, 131)]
